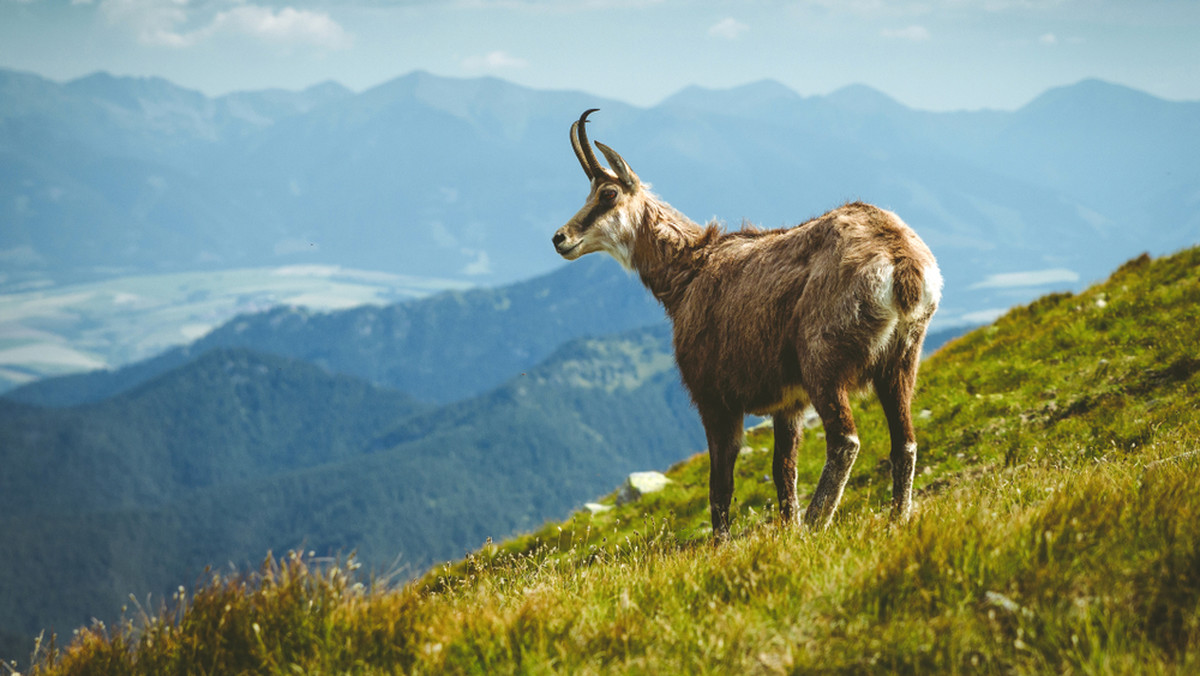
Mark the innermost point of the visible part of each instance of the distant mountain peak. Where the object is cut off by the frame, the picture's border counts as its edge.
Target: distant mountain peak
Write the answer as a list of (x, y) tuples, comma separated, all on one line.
[(104, 85), (750, 96), (328, 88), (101, 77), (1091, 92), (861, 98), (451, 95)]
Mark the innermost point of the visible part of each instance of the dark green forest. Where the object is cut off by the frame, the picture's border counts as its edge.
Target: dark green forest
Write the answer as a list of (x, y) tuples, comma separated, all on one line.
[(238, 452)]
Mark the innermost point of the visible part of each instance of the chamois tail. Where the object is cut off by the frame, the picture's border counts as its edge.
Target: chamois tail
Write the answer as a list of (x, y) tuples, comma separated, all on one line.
[(915, 285)]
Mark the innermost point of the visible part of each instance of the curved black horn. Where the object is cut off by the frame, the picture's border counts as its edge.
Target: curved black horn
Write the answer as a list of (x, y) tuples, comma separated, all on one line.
[(579, 150), (583, 149)]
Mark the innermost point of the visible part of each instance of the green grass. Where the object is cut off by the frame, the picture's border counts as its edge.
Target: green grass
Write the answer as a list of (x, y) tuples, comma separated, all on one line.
[(1057, 530)]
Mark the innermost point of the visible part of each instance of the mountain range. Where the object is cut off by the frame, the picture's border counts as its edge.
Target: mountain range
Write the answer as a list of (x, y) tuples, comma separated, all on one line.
[(466, 179), (419, 429)]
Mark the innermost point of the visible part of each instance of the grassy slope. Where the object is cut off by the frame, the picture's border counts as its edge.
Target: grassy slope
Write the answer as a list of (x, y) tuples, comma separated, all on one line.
[(1058, 530)]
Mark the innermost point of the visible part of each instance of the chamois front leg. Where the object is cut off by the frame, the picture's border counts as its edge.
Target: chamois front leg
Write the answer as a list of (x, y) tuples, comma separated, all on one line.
[(788, 432), (841, 449), (724, 431)]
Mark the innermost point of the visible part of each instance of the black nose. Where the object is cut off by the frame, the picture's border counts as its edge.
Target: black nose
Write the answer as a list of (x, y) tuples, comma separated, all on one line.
[(559, 238)]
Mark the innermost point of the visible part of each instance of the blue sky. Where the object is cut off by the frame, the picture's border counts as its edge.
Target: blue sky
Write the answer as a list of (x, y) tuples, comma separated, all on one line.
[(929, 54)]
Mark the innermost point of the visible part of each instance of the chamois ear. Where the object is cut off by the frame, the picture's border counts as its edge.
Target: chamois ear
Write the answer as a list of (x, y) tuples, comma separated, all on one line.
[(624, 173)]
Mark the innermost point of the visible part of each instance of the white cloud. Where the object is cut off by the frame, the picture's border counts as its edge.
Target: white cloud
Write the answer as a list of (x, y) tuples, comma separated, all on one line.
[(166, 22), (497, 60), (1009, 280), (286, 26), (155, 22), (1048, 39), (911, 33), (728, 28)]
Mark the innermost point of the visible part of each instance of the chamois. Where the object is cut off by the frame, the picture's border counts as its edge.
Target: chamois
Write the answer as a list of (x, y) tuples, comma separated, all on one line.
[(769, 321)]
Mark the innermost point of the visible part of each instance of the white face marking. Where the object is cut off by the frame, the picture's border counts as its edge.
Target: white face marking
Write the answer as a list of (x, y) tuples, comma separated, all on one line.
[(617, 234)]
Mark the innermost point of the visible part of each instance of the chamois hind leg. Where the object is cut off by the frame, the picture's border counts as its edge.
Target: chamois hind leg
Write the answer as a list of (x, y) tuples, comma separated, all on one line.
[(841, 448), (788, 432), (724, 431), (894, 383)]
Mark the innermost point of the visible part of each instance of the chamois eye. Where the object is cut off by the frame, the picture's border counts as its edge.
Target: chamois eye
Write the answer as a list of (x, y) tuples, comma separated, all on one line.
[(608, 194)]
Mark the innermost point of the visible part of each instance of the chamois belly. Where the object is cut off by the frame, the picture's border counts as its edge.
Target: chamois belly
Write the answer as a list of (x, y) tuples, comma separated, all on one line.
[(787, 398)]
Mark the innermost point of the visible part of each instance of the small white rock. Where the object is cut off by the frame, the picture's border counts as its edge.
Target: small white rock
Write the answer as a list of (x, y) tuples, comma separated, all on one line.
[(641, 483)]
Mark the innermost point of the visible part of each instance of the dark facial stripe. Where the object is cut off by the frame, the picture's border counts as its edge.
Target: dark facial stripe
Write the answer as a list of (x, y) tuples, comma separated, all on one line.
[(589, 219)]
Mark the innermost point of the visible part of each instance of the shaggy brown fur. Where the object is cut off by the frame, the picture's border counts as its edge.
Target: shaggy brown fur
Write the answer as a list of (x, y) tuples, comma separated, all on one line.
[(769, 321)]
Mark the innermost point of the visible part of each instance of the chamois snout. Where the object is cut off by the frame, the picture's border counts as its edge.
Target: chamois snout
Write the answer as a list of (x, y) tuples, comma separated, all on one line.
[(566, 248)]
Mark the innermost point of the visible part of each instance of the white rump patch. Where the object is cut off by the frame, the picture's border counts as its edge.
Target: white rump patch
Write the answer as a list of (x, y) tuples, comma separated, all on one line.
[(933, 286)]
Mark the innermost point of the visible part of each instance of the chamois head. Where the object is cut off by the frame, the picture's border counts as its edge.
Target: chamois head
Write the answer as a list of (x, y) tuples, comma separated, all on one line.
[(606, 222)]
